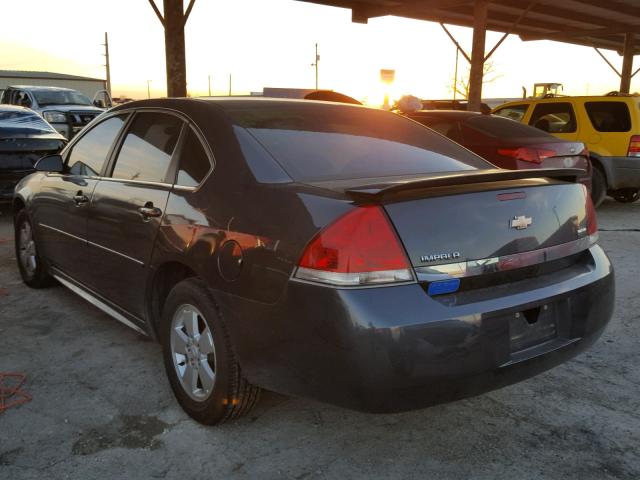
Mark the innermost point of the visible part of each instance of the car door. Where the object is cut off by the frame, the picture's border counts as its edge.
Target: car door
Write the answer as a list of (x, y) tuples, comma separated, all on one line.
[(127, 208), (557, 118), (60, 208)]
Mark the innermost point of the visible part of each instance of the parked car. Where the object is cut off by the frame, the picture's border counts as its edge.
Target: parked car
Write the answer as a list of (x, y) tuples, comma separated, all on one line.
[(461, 105), (507, 144), (67, 110), (316, 249), (608, 125), (24, 138)]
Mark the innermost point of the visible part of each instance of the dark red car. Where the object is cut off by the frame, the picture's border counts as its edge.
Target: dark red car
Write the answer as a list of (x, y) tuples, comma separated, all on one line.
[(505, 143)]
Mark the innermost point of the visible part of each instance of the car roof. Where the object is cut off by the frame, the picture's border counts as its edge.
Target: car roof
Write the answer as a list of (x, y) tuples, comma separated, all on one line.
[(228, 102)]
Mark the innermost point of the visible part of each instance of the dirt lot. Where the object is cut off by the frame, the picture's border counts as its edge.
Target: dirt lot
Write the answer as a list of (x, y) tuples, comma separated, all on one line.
[(102, 408)]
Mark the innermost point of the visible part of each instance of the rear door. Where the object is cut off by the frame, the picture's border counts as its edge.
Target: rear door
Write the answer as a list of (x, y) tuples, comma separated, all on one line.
[(127, 208), (556, 118), (60, 208)]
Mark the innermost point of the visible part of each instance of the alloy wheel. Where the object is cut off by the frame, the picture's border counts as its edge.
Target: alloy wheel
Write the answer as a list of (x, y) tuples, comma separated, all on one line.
[(27, 249), (193, 352)]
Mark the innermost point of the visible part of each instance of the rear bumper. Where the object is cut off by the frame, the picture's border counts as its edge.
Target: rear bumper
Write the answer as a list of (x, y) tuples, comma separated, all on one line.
[(622, 172), (395, 348)]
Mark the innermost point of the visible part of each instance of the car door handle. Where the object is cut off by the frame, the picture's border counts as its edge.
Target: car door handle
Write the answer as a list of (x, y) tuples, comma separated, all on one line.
[(149, 211), (80, 199)]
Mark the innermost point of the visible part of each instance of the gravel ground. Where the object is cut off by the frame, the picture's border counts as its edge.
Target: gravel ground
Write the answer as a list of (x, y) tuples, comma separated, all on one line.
[(102, 408)]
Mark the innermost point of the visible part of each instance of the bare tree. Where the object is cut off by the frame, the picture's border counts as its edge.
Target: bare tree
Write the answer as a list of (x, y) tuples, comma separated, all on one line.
[(489, 75)]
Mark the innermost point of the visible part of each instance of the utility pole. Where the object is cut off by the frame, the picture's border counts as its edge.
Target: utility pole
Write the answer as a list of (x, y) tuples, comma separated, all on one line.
[(107, 64), (148, 89), (229, 84), (209, 77), (315, 64)]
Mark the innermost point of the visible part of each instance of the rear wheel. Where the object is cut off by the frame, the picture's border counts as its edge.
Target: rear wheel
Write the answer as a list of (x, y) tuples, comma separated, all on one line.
[(202, 369), (32, 269), (626, 195), (598, 186)]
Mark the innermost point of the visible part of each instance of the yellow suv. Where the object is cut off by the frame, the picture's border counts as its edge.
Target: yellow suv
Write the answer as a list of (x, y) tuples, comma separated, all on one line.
[(608, 125)]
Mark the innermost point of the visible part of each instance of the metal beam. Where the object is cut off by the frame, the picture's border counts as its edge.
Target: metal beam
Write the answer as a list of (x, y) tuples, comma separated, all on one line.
[(455, 42), (476, 73), (627, 63), (188, 12), (155, 9), (608, 62)]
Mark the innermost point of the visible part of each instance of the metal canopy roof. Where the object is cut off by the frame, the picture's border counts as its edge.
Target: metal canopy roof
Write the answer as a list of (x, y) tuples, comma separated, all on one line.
[(594, 23)]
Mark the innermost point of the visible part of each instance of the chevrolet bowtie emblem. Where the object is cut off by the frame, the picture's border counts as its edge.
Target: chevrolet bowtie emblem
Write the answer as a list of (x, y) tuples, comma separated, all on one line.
[(521, 222)]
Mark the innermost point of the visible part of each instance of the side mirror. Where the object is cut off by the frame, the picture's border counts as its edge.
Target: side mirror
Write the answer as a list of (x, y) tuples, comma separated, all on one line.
[(50, 163), (99, 103)]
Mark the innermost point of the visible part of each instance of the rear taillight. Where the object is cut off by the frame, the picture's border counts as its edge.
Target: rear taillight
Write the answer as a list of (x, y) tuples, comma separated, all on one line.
[(634, 146), (360, 248), (592, 221), (527, 154)]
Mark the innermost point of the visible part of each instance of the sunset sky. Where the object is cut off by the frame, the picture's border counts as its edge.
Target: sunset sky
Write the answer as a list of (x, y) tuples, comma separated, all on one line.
[(270, 43)]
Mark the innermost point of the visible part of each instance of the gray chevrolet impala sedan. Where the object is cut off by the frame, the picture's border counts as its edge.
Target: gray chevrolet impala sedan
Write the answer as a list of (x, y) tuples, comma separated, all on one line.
[(320, 250)]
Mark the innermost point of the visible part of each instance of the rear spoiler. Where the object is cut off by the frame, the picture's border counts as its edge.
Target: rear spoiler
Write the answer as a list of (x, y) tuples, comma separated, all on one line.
[(378, 190)]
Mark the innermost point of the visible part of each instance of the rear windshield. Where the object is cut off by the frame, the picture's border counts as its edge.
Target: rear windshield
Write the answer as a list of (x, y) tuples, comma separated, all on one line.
[(22, 122), (315, 141), (609, 116), (504, 128)]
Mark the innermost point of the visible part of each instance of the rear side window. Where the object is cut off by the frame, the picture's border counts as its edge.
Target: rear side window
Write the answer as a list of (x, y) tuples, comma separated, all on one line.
[(90, 152), (147, 148), (609, 116), (554, 117), (316, 142), (514, 112), (194, 162), (502, 128)]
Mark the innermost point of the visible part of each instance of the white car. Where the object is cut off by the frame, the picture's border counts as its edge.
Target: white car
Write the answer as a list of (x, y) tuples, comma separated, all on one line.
[(67, 110)]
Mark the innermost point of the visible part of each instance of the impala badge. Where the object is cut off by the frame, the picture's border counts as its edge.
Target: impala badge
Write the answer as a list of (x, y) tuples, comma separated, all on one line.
[(521, 222)]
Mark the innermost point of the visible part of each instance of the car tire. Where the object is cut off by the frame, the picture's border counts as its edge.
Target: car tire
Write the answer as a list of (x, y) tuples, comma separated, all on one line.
[(598, 187), (33, 270), (203, 371), (626, 195)]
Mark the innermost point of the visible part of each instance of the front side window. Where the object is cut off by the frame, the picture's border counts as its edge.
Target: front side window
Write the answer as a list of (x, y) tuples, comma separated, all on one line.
[(23, 99), (147, 148), (194, 162), (609, 116), (514, 112), (90, 152), (554, 118)]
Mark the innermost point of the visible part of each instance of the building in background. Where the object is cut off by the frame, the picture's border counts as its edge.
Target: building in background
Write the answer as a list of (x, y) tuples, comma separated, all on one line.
[(86, 85)]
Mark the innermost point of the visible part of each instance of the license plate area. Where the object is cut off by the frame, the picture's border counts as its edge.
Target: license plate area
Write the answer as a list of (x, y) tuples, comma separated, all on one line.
[(533, 326)]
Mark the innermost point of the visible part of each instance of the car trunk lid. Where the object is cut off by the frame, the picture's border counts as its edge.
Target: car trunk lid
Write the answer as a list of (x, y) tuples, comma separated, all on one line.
[(489, 224), (460, 216)]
